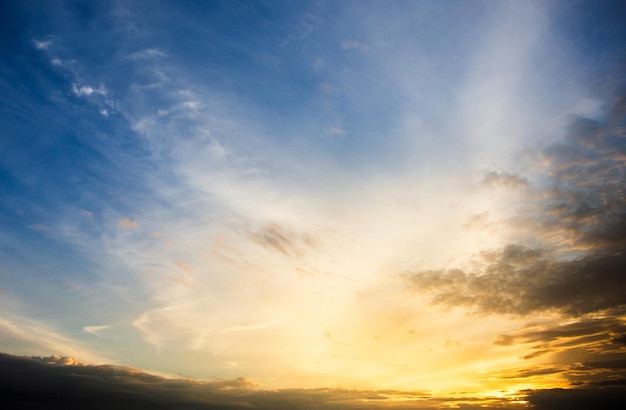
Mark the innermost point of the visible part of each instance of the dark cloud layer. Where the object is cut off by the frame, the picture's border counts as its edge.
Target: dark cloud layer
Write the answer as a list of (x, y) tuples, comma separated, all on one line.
[(61, 383), (573, 258), (557, 399)]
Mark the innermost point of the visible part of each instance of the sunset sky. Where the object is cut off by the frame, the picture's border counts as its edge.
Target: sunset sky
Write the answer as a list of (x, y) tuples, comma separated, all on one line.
[(419, 196)]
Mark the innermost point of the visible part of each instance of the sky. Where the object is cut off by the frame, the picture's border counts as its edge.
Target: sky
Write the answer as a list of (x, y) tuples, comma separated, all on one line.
[(291, 201)]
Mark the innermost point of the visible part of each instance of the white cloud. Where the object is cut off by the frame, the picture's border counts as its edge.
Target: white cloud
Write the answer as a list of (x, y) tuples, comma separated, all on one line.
[(95, 330), (38, 227), (335, 130), (354, 45), (147, 54), (87, 90), (42, 44), (191, 105)]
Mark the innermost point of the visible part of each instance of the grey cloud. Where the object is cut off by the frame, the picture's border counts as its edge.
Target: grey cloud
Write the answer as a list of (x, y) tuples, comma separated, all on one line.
[(570, 262), (273, 236), (621, 339), (536, 353), (578, 329), (63, 383), (504, 180), (480, 220), (606, 364), (618, 111), (587, 198), (574, 230), (587, 374), (583, 352), (535, 371), (557, 399), (519, 280), (37, 383), (276, 237)]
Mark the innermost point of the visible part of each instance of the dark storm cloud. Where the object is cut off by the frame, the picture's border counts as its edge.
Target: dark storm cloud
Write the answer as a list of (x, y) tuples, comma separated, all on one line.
[(557, 399), (62, 383), (575, 262)]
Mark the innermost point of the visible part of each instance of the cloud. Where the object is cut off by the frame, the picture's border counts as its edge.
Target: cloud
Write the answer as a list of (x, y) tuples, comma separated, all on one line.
[(63, 382), (354, 45), (576, 330), (561, 268), (520, 280), (42, 44), (274, 236), (61, 361), (504, 180), (335, 130), (68, 383), (572, 230), (87, 90), (583, 352), (147, 54), (23, 334), (561, 399), (38, 227), (239, 148), (127, 223), (95, 330)]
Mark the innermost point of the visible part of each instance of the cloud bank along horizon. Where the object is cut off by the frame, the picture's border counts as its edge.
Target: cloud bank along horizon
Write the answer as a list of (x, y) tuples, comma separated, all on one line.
[(363, 195)]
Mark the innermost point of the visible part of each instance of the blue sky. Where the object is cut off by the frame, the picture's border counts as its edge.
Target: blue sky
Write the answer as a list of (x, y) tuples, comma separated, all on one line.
[(315, 194)]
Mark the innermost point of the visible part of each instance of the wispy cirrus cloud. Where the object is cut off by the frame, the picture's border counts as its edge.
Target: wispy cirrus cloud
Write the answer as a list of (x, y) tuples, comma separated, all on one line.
[(147, 54), (127, 223)]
